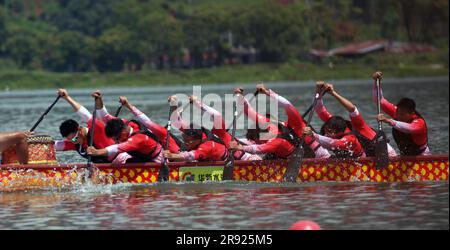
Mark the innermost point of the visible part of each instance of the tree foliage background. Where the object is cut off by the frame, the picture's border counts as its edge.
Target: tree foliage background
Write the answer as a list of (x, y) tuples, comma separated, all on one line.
[(117, 35)]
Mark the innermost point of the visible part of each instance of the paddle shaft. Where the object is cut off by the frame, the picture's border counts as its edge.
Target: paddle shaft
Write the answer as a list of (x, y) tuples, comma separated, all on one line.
[(118, 110), (229, 164), (380, 126), (45, 113), (91, 141)]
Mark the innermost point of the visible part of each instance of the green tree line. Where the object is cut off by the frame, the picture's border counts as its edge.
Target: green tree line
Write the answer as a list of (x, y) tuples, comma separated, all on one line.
[(128, 35)]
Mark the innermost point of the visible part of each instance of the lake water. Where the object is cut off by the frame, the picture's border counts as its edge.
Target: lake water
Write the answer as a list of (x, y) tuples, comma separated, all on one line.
[(229, 205)]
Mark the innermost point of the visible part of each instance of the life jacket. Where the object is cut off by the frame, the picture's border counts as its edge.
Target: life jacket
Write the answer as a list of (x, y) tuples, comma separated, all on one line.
[(367, 144), (406, 144), (178, 141), (288, 134), (136, 155), (82, 152), (210, 136)]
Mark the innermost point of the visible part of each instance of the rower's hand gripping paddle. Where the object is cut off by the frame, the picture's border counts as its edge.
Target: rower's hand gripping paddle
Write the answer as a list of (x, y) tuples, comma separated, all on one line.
[(296, 158)]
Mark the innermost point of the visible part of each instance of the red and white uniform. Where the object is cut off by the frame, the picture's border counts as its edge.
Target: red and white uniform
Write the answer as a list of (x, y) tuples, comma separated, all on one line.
[(219, 129), (206, 151), (100, 139), (348, 142), (277, 146), (417, 128), (137, 143), (295, 121), (357, 121), (158, 130)]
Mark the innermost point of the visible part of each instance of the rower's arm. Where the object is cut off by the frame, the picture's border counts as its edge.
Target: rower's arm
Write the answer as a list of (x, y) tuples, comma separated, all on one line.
[(104, 115), (416, 127), (265, 148), (157, 129), (330, 143), (251, 113), (80, 110), (348, 105), (182, 156), (218, 122), (386, 106), (62, 145), (295, 120), (360, 125), (98, 152), (322, 111)]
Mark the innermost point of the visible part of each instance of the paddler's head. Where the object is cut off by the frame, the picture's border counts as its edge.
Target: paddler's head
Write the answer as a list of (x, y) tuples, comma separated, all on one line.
[(406, 110), (117, 130), (192, 137), (72, 131), (336, 127)]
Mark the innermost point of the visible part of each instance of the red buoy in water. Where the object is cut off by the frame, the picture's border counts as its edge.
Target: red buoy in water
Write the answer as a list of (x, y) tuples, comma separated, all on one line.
[(305, 225)]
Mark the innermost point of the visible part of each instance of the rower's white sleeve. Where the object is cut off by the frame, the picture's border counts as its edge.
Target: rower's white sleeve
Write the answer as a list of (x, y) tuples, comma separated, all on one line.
[(322, 153), (355, 113), (281, 100), (188, 156), (252, 149), (143, 118), (391, 151), (410, 128), (59, 145), (324, 141), (102, 114), (84, 114), (216, 115), (112, 150)]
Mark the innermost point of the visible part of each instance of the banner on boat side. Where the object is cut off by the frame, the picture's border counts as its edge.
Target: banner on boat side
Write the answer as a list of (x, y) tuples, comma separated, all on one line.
[(200, 174)]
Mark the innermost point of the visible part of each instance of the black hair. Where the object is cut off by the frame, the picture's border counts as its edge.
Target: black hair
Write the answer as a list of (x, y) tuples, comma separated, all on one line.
[(252, 134), (68, 127), (194, 131), (407, 104), (336, 123), (114, 127)]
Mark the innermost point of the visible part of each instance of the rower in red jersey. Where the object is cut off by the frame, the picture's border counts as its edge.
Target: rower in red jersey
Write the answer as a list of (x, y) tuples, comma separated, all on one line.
[(365, 134), (219, 129), (142, 122), (18, 140), (202, 144), (336, 134), (283, 137), (133, 146), (76, 136), (409, 128)]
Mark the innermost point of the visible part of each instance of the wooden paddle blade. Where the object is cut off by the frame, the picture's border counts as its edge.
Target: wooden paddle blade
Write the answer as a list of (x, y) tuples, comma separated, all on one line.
[(381, 150), (163, 174), (228, 171), (294, 165)]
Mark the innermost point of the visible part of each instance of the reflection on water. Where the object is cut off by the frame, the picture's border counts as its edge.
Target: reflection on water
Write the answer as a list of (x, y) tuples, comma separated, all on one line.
[(230, 206)]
